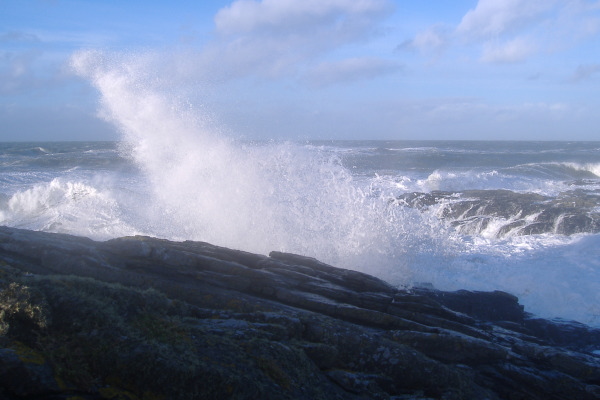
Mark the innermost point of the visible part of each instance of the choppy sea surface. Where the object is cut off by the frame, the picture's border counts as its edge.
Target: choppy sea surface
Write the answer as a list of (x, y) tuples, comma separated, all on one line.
[(523, 217)]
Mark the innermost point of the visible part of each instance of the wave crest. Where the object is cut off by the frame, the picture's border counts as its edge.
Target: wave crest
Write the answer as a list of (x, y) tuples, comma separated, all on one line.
[(64, 206)]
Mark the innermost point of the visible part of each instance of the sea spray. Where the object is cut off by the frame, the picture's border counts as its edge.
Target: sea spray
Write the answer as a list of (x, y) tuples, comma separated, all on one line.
[(67, 207), (257, 197)]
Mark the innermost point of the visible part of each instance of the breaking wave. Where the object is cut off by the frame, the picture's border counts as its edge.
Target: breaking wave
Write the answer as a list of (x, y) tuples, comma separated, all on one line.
[(65, 206)]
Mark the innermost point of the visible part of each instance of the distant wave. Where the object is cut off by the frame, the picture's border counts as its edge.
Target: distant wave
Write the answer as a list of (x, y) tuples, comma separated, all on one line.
[(25, 151), (593, 168), (413, 149), (563, 169), (42, 150), (503, 213)]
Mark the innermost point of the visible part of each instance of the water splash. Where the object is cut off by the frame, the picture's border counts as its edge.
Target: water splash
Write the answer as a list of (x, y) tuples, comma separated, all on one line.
[(256, 197), (64, 206)]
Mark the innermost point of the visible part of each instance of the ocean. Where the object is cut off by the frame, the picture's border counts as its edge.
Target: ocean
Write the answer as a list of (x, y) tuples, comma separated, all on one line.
[(522, 217)]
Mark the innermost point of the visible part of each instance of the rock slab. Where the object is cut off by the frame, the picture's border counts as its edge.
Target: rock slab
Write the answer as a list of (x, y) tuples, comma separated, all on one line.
[(144, 318)]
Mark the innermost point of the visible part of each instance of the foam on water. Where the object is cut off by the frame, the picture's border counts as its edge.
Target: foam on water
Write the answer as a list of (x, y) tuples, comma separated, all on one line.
[(200, 185), (65, 206), (541, 183), (552, 276)]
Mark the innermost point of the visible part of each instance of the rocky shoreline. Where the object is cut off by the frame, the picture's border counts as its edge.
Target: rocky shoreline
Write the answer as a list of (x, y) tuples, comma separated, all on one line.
[(143, 318)]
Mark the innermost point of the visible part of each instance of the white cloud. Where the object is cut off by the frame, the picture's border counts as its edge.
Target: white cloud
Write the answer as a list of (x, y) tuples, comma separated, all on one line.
[(584, 72), (514, 50), (31, 70), (495, 17), (18, 36), (35, 61), (285, 16), (576, 20), (272, 38), (503, 30), (351, 69), (16, 71), (515, 30), (433, 39)]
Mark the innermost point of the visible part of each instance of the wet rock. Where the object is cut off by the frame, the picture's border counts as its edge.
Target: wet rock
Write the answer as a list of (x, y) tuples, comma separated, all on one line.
[(25, 373), (452, 347), (568, 334), (487, 306), (142, 318), (359, 383)]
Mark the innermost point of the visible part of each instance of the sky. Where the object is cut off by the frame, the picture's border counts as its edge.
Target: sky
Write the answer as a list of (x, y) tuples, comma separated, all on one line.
[(315, 69)]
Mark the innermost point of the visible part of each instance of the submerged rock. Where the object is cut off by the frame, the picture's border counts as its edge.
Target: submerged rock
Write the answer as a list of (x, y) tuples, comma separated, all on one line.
[(143, 318)]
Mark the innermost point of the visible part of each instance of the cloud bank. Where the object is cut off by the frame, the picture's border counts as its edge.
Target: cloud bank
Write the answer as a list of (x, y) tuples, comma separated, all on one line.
[(350, 70), (497, 17), (282, 38), (513, 31), (584, 72), (335, 68)]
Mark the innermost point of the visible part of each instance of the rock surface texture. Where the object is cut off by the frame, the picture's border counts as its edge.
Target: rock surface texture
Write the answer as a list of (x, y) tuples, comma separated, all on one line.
[(143, 318)]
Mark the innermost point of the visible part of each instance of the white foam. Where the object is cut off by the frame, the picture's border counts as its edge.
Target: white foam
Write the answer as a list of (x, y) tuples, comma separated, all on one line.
[(552, 276), (65, 206), (459, 180)]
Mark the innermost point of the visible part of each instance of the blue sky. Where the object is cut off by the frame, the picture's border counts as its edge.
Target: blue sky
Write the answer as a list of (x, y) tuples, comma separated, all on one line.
[(324, 69)]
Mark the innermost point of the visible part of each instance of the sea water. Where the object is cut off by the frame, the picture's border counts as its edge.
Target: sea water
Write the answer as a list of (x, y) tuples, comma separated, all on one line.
[(523, 217)]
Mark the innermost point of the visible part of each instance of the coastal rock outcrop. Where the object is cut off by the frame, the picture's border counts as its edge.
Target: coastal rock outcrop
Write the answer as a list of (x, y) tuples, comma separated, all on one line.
[(144, 318)]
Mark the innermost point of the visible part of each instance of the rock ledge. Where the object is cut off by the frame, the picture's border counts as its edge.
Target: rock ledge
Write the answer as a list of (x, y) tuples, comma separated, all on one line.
[(144, 318)]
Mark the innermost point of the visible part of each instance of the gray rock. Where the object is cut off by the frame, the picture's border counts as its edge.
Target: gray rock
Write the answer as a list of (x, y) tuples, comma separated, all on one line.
[(139, 317)]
